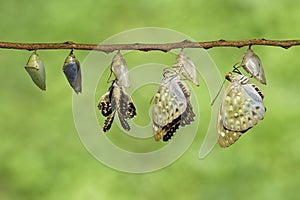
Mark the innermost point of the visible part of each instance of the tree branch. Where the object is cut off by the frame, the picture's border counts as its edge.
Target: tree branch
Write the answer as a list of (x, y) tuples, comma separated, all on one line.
[(108, 48)]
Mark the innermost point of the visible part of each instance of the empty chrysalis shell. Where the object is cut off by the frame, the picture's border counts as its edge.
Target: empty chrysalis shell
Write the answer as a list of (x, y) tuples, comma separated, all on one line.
[(36, 70), (72, 71), (185, 66), (252, 64), (120, 69)]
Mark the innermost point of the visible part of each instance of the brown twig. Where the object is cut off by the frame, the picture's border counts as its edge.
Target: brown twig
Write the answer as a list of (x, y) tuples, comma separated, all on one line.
[(108, 48)]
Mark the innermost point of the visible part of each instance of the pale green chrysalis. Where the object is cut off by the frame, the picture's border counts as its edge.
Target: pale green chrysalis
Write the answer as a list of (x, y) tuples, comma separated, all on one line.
[(36, 70)]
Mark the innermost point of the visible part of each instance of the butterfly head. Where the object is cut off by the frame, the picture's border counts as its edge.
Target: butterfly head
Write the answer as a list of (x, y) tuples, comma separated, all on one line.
[(236, 78)]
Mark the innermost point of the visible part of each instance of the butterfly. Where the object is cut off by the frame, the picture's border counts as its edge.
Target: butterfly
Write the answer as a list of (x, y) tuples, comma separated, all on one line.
[(252, 64), (241, 108), (171, 107), (116, 100), (185, 66), (120, 69)]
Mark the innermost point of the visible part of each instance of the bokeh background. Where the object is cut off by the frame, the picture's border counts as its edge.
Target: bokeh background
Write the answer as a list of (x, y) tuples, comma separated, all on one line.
[(41, 155)]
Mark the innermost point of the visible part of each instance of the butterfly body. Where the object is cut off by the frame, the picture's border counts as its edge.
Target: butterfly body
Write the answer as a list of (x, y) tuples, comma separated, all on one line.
[(116, 100)]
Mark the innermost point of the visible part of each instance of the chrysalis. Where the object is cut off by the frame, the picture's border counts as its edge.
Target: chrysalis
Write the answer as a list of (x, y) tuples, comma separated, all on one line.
[(116, 100), (72, 72), (185, 66), (252, 64), (241, 108), (36, 70), (171, 107), (120, 69)]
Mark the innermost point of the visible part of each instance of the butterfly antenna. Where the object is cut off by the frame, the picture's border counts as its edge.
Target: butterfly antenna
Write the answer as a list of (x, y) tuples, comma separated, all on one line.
[(151, 100), (112, 86), (109, 81), (166, 69), (236, 68), (213, 101)]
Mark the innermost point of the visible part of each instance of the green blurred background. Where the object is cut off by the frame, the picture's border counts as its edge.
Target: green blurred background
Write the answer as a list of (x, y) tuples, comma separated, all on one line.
[(41, 154)]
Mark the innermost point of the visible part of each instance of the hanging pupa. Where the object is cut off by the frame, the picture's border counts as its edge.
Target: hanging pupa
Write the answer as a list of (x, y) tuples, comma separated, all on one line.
[(36, 70), (72, 72), (120, 69), (252, 64), (185, 66)]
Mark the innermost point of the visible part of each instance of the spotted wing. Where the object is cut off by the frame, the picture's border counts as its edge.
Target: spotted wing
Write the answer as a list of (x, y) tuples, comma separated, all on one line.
[(124, 122), (184, 119), (171, 128), (165, 111), (241, 107), (109, 120), (226, 137), (105, 105), (188, 116), (108, 108), (169, 104), (127, 108)]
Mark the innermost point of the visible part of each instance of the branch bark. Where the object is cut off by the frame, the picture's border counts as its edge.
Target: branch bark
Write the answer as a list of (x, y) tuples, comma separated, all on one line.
[(108, 48)]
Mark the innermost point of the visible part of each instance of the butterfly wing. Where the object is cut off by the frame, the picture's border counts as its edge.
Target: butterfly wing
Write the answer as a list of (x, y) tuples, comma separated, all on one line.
[(127, 107), (109, 120), (241, 107), (163, 113), (188, 116), (105, 105), (226, 137), (171, 128), (169, 103), (124, 122), (107, 110)]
